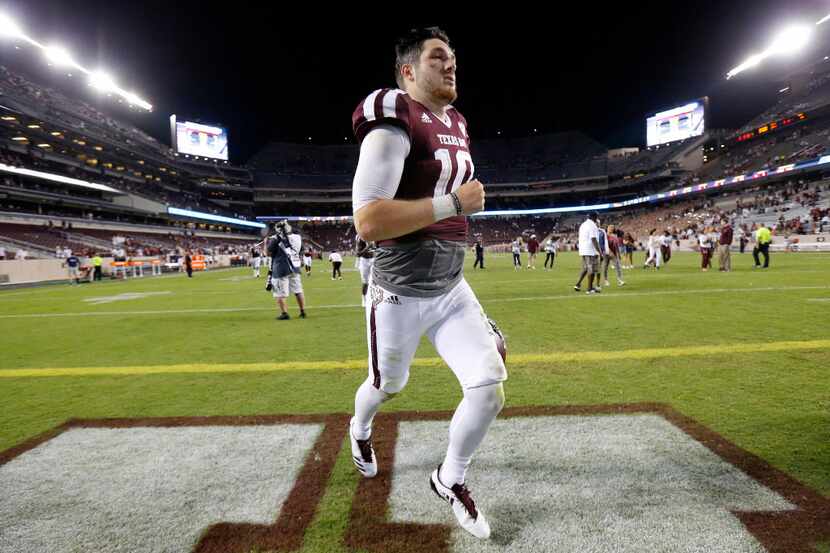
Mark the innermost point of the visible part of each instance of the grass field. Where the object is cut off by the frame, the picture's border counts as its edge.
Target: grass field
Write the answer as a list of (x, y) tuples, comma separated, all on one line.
[(747, 354)]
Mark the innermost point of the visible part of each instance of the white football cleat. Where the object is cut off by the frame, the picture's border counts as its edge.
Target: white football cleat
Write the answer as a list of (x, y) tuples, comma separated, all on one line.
[(363, 454), (463, 507)]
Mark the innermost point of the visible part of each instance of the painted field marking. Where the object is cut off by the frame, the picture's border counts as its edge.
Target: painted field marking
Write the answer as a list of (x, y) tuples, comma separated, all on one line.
[(99, 300), (483, 300), (356, 364)]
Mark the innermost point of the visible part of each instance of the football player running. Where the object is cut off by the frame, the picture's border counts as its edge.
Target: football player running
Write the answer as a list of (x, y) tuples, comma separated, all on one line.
[(365, 258), (412, 190)]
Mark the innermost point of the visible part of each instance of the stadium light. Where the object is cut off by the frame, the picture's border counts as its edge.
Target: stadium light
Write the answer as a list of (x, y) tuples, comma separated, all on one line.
[(751, 62), (8, 28), (790, 40), (134, 100), (61, 58), (103, 82)]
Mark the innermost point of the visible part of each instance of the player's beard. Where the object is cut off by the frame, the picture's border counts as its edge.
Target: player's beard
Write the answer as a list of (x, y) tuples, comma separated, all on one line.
[(445, 93), (440, 91)]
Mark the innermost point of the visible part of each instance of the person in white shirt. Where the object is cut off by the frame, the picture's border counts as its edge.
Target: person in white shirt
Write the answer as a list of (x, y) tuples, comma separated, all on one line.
[(550, 250), (2, 253), (336, 261), (516, 248), (655, 257), (742, 238), (21, 254), (589, 251)]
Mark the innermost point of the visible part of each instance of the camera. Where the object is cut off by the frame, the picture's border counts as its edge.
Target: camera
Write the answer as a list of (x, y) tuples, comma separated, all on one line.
[(282, 227)]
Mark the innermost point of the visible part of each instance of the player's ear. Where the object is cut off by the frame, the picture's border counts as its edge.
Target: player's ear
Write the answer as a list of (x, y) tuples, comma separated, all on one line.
[(408, 72)]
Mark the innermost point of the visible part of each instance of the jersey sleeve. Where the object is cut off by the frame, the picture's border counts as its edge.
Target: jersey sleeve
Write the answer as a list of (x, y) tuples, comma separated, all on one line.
[(382, 107), (380, 165)]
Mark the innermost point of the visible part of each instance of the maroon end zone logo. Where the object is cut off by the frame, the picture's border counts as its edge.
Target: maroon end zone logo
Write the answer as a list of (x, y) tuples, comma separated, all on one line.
[(790, 531)]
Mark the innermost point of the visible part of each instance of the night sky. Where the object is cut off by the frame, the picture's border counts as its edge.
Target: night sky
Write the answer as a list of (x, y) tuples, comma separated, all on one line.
[(270, 75)]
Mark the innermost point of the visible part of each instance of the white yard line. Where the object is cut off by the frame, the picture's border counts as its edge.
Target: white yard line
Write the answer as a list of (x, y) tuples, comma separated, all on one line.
[(571, 296)]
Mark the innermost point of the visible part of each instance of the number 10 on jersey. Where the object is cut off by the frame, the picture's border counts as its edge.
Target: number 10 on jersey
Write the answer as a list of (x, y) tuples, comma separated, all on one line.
[(463, 170)]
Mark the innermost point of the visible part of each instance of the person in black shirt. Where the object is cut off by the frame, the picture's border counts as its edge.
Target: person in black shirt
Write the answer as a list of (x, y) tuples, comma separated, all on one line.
[(188, 265), (479, 255), (73, 264)]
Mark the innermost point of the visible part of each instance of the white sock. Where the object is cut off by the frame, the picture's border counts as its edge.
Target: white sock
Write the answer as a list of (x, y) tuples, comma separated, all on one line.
[(469, 425), (367, 401)]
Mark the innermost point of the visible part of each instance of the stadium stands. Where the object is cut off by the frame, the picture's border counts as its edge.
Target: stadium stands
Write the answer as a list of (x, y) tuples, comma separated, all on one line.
[(566, 168)]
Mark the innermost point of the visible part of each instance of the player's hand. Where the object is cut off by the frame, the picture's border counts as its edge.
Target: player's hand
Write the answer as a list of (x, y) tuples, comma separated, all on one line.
[(471, 194)]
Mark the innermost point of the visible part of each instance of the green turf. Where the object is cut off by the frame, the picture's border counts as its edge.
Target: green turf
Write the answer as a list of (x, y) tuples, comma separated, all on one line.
[(774, 404)]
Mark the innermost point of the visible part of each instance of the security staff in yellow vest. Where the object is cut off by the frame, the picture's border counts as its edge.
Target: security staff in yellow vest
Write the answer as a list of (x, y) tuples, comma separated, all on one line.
[(762, 241), (97, 262)]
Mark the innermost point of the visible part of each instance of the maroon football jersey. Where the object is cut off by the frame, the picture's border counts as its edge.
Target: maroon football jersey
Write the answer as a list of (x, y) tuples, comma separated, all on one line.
[(439, 156)]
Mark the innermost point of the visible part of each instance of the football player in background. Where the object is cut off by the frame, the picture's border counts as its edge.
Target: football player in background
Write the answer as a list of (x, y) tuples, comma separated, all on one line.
[(256, 260), (307, 262), (412, 191), (365, 254)]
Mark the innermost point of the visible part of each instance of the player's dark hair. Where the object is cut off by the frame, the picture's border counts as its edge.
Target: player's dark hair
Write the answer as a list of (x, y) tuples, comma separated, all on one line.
[(409, 46)]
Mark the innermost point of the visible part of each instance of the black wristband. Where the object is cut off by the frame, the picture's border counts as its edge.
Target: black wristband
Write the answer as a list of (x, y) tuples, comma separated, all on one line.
[(457, 203)]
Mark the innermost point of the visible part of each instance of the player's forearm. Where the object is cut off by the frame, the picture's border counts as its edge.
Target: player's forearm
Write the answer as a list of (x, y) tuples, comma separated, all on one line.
[(386, 219)]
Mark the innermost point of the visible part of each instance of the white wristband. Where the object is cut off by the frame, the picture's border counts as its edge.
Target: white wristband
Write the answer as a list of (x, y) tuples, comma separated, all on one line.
[(443, 207)]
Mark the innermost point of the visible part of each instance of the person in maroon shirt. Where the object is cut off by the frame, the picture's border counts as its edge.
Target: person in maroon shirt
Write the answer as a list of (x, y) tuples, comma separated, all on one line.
[(532, 249), (724, 245), (615, 244)]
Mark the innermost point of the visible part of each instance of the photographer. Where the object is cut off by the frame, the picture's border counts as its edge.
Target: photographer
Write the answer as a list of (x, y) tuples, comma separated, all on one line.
[(284, 277)]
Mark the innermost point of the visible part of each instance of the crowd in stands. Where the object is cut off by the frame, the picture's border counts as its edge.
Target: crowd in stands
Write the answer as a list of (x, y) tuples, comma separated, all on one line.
[(783, 148), (743, 208), (817, 95), (42, 240), (86, 117), (81, 117), (551, 157), (192, 199), (796, 207)]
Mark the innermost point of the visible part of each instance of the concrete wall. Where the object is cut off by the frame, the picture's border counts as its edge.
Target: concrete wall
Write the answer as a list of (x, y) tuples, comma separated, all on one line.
[(49, 270), (33, 270)]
